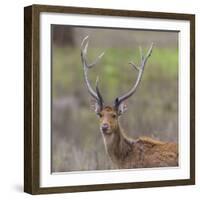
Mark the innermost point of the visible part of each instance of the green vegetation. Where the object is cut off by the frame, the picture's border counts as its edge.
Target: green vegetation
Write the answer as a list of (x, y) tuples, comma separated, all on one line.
[(113, 70)]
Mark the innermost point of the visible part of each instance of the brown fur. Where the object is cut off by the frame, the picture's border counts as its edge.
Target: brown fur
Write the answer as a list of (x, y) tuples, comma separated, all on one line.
[(139, 153)]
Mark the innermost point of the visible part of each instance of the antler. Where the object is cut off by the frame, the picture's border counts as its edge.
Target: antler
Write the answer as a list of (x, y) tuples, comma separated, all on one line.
[(86, 67), (140, 70)]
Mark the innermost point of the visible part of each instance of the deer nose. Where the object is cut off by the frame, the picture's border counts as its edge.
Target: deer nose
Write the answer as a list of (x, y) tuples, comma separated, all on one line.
[(105, 127)]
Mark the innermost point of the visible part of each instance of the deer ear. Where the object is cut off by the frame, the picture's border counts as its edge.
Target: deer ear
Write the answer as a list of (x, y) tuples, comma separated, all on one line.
[(94, 106), (122, 108)]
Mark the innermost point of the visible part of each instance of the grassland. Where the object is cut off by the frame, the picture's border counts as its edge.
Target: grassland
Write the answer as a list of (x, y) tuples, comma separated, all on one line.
[(152, 111)]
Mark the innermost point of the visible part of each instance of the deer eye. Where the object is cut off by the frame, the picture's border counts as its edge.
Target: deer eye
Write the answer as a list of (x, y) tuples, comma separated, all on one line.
[(100, 115), (114, 115)]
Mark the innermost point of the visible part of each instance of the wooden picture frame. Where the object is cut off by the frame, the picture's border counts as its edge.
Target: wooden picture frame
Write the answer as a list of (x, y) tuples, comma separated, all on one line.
[(32, 92)]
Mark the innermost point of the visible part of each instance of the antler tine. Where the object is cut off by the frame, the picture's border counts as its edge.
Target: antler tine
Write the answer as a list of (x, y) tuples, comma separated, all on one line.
[(140, 69), (99, 94), (133, 65), (86, 66)]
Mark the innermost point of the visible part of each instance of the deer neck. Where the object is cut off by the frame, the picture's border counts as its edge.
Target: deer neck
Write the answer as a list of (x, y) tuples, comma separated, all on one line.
[(113, 140), (117, 145)]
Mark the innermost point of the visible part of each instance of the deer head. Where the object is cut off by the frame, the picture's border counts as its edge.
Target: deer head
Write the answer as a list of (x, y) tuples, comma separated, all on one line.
[(109, 115)]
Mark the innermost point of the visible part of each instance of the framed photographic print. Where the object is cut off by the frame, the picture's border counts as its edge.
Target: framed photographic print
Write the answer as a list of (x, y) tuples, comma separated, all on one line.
[(109, 99)]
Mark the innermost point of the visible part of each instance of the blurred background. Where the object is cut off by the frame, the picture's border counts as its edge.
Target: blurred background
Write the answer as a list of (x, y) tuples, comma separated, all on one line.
[(77, 143)]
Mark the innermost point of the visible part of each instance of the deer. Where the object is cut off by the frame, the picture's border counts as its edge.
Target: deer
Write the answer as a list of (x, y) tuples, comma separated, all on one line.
[(123, 151)]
